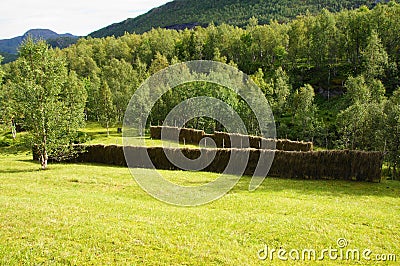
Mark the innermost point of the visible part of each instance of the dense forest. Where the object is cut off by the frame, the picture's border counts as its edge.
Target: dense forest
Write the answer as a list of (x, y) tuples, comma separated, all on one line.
[(331, 78), (179, 14)]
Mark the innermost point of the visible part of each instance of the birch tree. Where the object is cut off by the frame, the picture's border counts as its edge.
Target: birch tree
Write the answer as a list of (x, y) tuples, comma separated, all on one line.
[(50, 100)]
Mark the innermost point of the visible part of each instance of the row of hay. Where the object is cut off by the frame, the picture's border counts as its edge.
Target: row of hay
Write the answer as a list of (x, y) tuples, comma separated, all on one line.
[(188, 135), (110, 154), (289, 145), (344, 165), (229, 140), (191, 136)]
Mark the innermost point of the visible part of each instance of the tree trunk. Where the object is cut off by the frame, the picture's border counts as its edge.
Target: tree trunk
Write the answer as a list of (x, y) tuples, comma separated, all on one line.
[(43, 153), (13, 129), (43, 159), (395, 175), (108, 130)]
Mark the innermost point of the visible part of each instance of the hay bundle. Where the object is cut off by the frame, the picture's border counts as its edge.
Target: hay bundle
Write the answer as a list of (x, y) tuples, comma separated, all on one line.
[(170, 133), (288, 145), (366, 166), (191, 154), (115, 154), (159, 159), (220, 162), (191, 136), (94, 154), (268, 144), (155, 132), (237, 161), (222, 139), (185, 135), (345, 165), (255, 142), (134, 157), (238, 141), (254, 156)]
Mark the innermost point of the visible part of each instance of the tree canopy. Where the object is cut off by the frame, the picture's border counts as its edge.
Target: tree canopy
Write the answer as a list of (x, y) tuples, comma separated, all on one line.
[(49, 98)]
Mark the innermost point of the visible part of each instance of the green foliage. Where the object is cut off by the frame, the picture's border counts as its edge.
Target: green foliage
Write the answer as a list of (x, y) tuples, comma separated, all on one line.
[(304, 111), (50, 99), (122, 81), (106, 106), (281, 88), (7, 103), (375, 58), (362, 123), (267, 88), (160, 62), (357, 90), (392, 132)]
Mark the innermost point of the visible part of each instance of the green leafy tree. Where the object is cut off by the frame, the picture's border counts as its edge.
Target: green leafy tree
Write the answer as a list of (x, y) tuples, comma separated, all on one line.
[(107, 114), (8, 110), (92, 86), (357, 90), (122, 81), (356, 28), (282, 90), (375, 58), (3, 96), (50, 100), (218, 57), (259, 80), (361, 124), (323, 38), (298, 41), (74, 95), (392, 132), (304, 111), (159, 62)]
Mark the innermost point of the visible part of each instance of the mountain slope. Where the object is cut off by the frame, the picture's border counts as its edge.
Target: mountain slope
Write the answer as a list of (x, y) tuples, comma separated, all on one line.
[(189, 13), (10, 46)]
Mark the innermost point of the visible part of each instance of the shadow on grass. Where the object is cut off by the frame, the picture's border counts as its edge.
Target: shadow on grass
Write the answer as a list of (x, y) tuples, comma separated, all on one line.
[(17, 171), (330, 188), (14, 150), (27, 161)]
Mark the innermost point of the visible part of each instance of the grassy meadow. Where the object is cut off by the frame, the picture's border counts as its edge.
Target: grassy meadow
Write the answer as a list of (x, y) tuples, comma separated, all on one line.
[(84, 214)]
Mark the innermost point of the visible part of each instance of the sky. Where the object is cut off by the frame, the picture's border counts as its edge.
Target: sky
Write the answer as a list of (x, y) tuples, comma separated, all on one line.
[(78, 17)]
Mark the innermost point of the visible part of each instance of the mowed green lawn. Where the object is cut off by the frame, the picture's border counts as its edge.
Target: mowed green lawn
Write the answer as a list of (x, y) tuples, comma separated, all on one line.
[(81, 214)]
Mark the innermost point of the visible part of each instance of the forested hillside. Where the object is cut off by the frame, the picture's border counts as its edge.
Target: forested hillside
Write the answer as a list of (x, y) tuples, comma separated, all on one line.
[(332, 78), (188, 13), (57, 40), (9, 47)]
